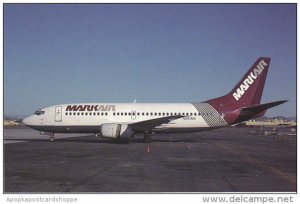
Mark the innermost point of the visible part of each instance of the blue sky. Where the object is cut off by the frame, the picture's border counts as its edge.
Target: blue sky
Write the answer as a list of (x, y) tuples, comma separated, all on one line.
[(64, 53)]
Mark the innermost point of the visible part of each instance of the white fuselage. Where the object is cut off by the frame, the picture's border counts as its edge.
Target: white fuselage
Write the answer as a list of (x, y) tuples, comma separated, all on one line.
[(89, 117)]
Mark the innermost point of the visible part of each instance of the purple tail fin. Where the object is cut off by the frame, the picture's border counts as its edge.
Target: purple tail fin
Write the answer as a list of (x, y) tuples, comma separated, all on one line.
[(249, 90), (246, 93)]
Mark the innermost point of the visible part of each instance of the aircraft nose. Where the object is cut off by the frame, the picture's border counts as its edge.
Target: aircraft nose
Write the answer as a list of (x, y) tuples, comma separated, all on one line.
[(27, 121)]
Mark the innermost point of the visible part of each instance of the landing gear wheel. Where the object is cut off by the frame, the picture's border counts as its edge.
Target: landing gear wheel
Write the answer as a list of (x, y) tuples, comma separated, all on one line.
[(51, 139), (147, 138)]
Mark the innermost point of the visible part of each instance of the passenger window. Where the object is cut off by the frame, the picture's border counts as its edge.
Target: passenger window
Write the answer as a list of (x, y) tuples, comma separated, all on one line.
[(125, 114), (129, 113), (163, 114), (142, 113), (74, 113), (98, 113), (118, 113), (105, 113), (82, 113), (86, 113), (114, 113), (159, 113), (147, 113), (121, 113), (94, 113), (66, 113), (151, 113), (90, 113)]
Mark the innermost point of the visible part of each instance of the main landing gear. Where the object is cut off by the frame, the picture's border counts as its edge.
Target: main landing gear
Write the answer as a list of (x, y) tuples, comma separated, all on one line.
[(147, 138), (51, 139)]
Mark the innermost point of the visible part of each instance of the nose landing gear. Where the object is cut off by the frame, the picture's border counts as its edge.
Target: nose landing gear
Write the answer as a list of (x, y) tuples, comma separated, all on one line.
[(51, 134)]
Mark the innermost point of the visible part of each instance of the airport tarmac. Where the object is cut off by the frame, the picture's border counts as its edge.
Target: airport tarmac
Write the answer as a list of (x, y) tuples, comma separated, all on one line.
[(222, 160)]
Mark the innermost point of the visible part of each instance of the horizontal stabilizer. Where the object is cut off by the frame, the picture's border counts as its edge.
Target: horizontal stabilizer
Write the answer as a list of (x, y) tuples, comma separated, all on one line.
[(262, 107), (255, 111)]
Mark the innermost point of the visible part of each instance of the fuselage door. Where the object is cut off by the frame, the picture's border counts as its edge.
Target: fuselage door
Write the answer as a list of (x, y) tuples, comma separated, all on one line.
[(221, 111), (58, 113)]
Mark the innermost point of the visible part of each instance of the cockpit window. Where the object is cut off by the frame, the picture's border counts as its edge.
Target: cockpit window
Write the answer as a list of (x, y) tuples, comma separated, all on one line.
[(39, 112)]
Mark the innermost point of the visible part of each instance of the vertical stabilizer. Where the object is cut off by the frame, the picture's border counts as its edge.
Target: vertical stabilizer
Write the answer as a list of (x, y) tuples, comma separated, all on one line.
[(249, 89), (247, 92)]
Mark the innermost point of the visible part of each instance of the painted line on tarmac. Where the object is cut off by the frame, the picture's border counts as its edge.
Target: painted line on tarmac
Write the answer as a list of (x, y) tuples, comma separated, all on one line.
[(13, 141)]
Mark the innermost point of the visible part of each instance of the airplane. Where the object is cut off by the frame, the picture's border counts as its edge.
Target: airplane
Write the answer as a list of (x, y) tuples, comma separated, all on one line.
[(124, 120)]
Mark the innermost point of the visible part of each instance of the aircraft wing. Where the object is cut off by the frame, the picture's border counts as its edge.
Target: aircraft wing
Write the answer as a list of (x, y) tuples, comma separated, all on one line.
[(148, 125)]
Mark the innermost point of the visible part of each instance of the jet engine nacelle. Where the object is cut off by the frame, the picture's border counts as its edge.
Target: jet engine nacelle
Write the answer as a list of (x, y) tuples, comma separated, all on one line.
[(115, 131)]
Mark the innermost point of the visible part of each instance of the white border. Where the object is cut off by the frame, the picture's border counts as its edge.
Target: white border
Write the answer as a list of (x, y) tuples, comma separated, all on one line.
[(133, 198)]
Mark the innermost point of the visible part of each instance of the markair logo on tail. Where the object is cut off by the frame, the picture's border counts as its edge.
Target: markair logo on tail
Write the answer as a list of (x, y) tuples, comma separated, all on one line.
[(249, 80)]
